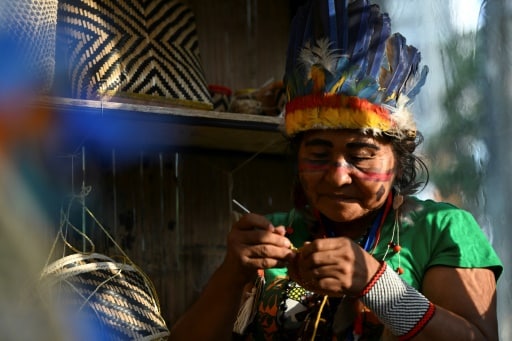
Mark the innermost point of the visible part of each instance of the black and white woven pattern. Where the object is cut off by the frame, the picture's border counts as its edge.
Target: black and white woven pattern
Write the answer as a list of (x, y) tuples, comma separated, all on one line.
[(132, 48), (398, 305), (220, 102), (113, 298), (221, 97)]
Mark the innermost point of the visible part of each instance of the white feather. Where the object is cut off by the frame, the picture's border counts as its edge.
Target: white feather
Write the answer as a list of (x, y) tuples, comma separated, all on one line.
[(402, 116), (319, 54)]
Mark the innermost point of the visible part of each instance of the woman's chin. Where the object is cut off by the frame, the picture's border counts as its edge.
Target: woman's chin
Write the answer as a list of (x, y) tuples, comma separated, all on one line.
[(343, 214)]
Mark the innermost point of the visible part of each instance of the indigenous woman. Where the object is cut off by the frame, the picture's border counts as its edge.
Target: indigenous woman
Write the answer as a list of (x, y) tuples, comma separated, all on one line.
[(359, 257)]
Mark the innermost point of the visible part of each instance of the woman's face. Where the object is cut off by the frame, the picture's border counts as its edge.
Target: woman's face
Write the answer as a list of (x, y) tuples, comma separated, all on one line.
[(345, 174)]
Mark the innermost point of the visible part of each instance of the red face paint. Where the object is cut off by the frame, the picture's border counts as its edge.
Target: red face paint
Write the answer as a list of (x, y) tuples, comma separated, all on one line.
[(376, 176)]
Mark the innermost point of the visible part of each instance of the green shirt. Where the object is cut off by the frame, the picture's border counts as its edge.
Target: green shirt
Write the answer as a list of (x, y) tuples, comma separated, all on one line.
[(430, 234)]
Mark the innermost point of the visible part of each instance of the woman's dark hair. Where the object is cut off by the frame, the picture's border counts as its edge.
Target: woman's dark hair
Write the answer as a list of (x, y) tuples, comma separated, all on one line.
[(412, 172)]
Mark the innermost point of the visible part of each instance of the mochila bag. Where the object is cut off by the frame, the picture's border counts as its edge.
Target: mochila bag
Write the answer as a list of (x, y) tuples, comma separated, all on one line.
[(130, 49)]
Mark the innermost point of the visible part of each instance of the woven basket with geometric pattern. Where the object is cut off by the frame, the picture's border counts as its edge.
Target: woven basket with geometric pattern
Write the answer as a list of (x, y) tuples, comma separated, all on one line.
[(136, 49), (116, 299)]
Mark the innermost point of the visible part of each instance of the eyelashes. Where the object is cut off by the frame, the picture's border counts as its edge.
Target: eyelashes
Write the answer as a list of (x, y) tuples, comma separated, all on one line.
[(321, 166), (313, 165)]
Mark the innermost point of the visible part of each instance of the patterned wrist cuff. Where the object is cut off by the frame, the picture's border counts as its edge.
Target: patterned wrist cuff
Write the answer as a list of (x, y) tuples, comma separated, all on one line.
[(403, 309)]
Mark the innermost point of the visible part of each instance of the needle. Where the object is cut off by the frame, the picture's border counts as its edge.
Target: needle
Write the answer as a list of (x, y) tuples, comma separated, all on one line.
[(241, 206), (247, 211)]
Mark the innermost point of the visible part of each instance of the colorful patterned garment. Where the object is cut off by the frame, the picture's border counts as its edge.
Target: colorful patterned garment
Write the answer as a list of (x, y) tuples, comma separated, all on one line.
[(431, 234)]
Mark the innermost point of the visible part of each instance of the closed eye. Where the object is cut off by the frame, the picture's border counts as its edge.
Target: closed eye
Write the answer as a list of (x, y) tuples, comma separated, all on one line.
[(360, 158), (321, 155), (310, 164), (317, 161)]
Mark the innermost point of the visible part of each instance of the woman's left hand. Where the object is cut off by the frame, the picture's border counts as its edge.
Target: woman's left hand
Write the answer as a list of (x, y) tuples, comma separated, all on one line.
[(333, 267)]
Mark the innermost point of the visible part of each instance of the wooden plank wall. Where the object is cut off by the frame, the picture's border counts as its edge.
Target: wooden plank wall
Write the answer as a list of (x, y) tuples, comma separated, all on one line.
[(242, 42)]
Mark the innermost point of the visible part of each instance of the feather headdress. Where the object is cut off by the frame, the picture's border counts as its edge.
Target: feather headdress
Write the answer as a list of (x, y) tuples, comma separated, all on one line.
[(345, 69)]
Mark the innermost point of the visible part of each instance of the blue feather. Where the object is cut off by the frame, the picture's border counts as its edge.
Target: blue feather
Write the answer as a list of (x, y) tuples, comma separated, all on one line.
[(408, 59), (416, 83), (333, 23), (410, 79), (362, 52), (379, 44), (342, 31), (300, 33), (342, 65), (350, 80), (364, 35), (333, 16), (396, 56), (367, 88)]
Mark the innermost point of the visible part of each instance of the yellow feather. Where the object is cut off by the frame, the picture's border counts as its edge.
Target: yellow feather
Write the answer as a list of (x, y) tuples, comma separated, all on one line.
[(317, 74), (337, 85)]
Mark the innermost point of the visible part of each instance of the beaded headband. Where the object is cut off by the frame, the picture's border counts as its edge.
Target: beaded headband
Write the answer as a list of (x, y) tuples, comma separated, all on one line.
[(345, 69)]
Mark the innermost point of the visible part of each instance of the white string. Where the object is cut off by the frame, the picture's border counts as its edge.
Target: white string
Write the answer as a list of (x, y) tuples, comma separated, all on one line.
[(83, 200), (143, 199), (253, 156), (177, 227), (114, 190)]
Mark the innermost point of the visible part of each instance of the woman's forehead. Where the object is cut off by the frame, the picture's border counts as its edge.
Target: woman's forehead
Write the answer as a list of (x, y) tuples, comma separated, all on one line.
[(342, 135)]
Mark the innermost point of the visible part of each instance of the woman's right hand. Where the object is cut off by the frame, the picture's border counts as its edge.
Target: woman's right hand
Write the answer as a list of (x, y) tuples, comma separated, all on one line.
[(254, 243)]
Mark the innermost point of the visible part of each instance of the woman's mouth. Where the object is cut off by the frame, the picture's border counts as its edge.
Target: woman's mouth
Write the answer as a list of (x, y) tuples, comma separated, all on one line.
[(339, 197)]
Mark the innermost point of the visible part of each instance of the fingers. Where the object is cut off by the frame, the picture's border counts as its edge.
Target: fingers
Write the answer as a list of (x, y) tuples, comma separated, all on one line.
[(255, 229), (326, 265), (331, 280), (325, 245), (265, 256), (281, 230), (256, 243)]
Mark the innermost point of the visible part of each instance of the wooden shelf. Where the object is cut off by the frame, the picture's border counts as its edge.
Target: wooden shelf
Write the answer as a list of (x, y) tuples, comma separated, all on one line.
[(147, 124)]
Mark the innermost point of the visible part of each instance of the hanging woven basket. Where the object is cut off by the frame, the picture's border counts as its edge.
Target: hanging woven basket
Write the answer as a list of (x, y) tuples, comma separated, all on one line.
[(115, 298)]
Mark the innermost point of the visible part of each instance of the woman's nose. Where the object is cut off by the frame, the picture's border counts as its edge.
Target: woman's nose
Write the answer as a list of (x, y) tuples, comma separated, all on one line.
[(339, 173)]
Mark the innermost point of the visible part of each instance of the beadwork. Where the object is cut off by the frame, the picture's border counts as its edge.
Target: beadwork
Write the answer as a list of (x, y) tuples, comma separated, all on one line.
[(402, 308)]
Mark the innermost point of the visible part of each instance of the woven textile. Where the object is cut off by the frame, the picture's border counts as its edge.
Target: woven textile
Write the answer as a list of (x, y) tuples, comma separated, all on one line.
[(136, 49), (31, 26), (115, 298), (221, 97)]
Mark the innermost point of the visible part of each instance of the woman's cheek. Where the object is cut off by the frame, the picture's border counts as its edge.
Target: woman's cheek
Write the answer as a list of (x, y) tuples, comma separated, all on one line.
[(307, 185)]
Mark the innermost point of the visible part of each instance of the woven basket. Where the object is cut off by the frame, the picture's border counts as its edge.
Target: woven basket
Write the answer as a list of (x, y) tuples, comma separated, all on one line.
[(116, 298), (31, 25), (131, 49)]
